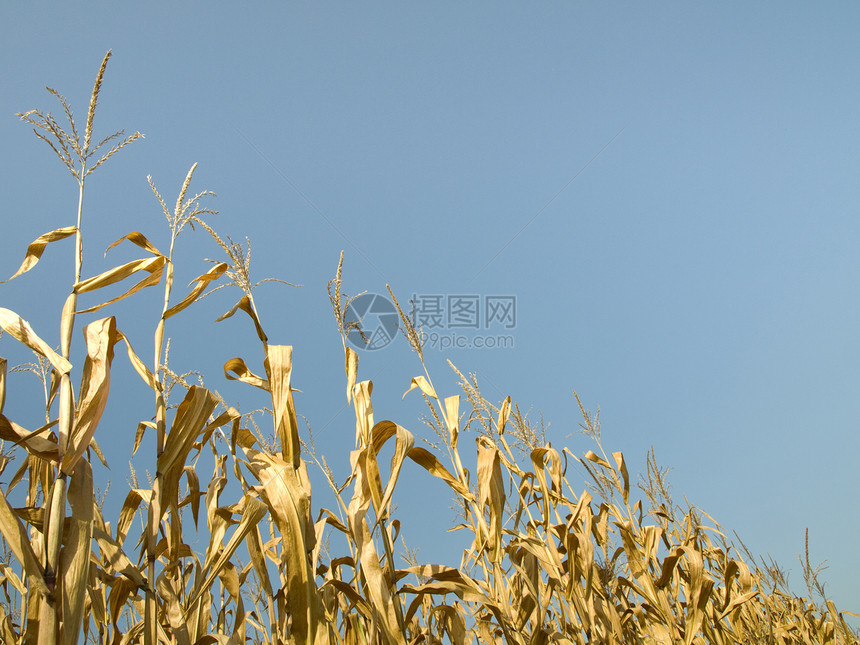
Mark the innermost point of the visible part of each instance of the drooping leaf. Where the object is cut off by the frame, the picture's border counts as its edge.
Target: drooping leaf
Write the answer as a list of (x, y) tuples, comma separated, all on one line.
[(20, 329), (101, 336), (154, 267), (37, 247), (202, 281)]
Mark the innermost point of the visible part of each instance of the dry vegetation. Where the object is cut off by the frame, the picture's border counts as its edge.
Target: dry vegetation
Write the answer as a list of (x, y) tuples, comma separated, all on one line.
[(549, 561)]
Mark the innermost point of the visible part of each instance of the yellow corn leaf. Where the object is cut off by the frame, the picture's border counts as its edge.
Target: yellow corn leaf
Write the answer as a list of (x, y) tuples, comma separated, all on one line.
[(698, 592), (213, 491), (189, 421), (245, 305), (75, 560), (504, 413), (97, 450), (101, 336), (139, 366), (2, 384), (33, 441), (538, 457), (279, 369), (221, 521), (20, 329), (238, 367), (19, 543), (253, 512), (7, 573), (453, 623), (739, 568), (173, 610), (736, 602), (591, 456), (622, 468), (255, 551), (153, 266), (491, 491), (286, 492), (363, 412), (447, 580), (140, 240), (361, 605), (138, 435), (121, 589), (120, 273), (424, 384), (452, 418), (381, 432), (351, 365), (117, 562), (132, 502), (432, 465), (378, 587), (193, 496), (37, 247), (230, 580), (202, 281), (365, 459)]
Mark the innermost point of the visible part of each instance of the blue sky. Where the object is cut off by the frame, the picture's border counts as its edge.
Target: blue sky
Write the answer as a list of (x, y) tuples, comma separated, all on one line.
[(697, 279)]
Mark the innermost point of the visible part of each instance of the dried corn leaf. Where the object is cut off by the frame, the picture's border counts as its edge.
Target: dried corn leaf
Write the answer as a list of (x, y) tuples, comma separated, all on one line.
[(425, 386), (140, 240), (202, 281), (351, 365), (8, 574), (591, 456), (245, 305), (491, 492), (381, 432), (452, 419), (237, 366), (190, 419), (132, 502), (286, 492), (378, 587), (172, 607), (37, 247), (279, 369), (622, 468), (101, 336), (20, 329), (504, 414), (255, 551), (116, 561), (253, 512), (432, 465), (75, 560), (19, 543), (3, 364), (363, 412), (33, 441), (153, 266), (138, 364)]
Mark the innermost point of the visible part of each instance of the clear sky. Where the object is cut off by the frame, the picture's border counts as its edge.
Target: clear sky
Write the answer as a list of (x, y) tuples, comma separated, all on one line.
[(696, 277)]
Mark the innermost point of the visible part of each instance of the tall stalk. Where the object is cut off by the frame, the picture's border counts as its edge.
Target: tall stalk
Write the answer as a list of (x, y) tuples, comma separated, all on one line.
[(75, 155), (184, 213)]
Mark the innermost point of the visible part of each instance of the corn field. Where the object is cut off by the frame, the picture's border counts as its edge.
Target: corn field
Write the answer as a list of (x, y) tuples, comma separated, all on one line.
[(564, 548)]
